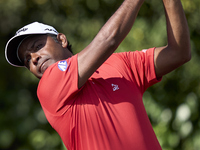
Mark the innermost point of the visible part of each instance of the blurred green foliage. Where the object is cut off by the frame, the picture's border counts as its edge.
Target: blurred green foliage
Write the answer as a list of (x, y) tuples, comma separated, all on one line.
[(173, 105)]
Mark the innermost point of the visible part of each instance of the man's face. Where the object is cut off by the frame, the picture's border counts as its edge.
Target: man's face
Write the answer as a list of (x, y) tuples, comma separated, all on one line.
[(38, 52)]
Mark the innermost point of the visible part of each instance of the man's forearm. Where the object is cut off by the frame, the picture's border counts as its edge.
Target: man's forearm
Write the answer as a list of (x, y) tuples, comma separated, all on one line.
[(119, 25), (107, 39)]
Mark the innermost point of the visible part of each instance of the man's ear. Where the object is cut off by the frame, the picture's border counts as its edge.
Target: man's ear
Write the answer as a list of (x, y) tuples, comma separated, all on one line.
[(62, 40)]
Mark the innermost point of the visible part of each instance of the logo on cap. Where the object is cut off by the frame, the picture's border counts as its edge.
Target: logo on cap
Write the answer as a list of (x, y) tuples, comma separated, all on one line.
[(21, 30), (51, 30), (62, 65)]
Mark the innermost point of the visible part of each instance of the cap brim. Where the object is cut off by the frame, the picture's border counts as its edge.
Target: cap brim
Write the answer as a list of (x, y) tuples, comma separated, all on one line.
[(11, 51)]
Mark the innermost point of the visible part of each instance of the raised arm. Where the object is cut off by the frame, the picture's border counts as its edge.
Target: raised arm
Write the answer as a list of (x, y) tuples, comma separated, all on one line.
[(178, 51), (107, 40)]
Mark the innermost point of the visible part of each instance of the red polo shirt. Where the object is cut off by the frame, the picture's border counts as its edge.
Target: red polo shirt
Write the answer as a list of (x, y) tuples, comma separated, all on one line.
[(107, 113)]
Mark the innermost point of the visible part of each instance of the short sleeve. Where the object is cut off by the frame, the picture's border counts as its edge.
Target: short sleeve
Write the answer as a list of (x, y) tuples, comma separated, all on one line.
[(143, 68), (58, 86)]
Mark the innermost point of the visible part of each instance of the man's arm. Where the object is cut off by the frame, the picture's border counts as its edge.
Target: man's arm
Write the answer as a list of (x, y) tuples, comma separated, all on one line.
[(107, 40), (178, 51)]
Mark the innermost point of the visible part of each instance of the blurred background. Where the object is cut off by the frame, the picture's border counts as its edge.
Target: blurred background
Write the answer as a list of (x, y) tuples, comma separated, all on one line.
[(173, 105)]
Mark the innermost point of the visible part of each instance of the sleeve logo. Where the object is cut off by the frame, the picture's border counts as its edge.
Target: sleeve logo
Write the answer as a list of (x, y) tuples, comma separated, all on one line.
[(144, 50), (62, 65)]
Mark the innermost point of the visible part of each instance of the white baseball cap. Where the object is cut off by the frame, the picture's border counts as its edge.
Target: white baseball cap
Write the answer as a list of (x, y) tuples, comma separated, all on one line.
[(11, 50)]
